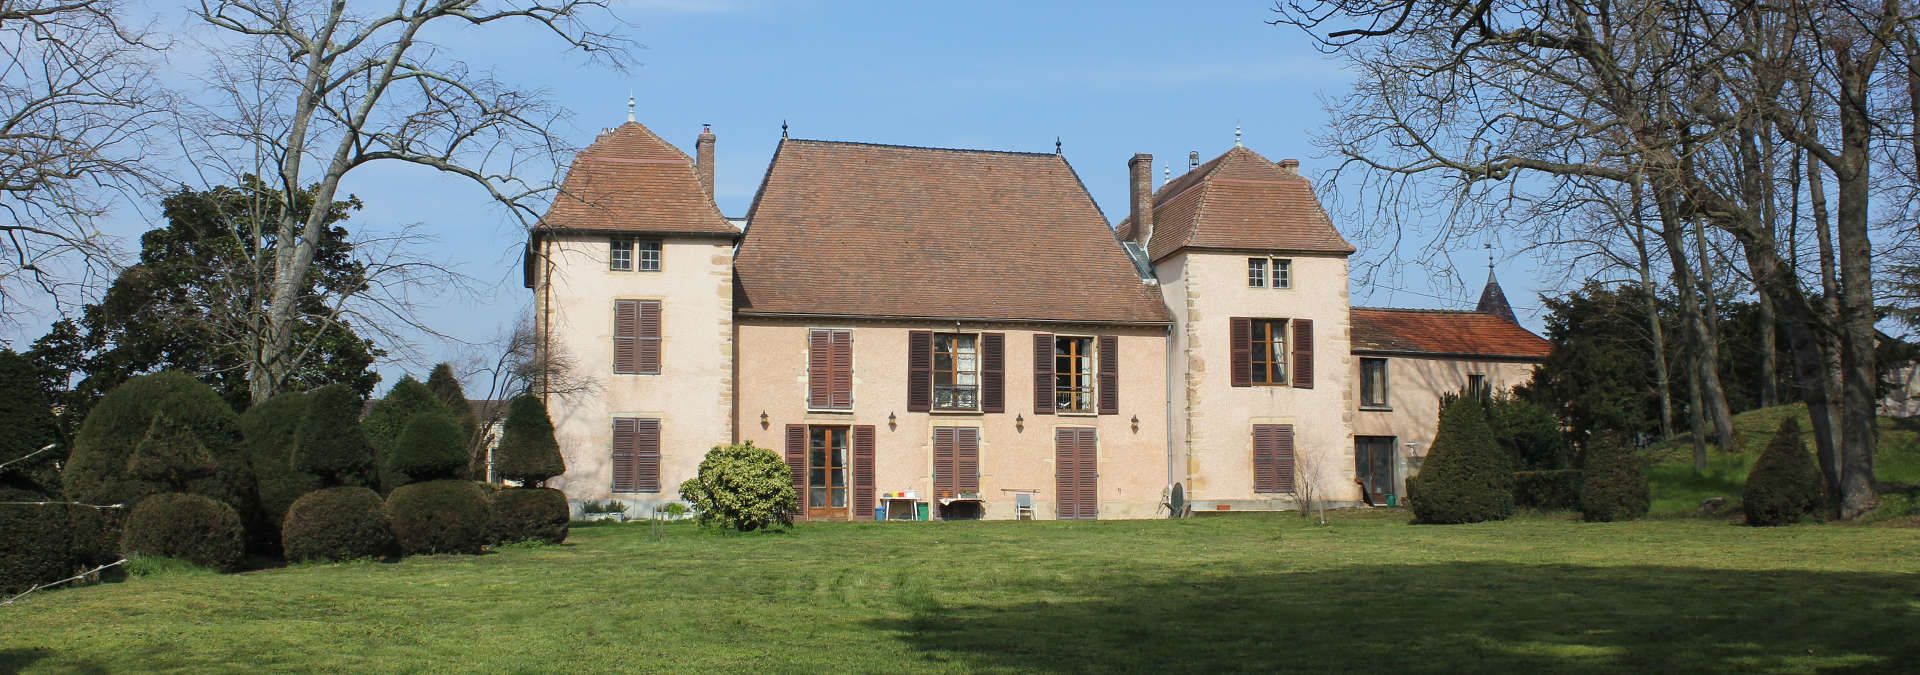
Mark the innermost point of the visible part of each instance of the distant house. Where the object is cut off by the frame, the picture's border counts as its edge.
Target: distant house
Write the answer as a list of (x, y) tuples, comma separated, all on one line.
[(965, 324)]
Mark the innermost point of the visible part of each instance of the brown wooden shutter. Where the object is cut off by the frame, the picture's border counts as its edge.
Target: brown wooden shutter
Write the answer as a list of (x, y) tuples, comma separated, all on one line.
[(919, 371), (1263, 458), (943, 464), (1066, 501), (625, 448), (1109, 375), (646, 456), (966, 460), (1043, 374), (1283, 457), (1240, 334), (626, 336), (863, 471), (993, 372), (842, 369), (1303, 353), (1089, 466), (820, 369), (647, 357), (797, 461)]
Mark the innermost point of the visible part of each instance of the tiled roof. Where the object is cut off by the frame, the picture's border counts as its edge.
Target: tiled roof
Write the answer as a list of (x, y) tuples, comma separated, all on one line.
[(1493, 300), (1444, 333), (629, 180), (865, 230), (1240, 201)]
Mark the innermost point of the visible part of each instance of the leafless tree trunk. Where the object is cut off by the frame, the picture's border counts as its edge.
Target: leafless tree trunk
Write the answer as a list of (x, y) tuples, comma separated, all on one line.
[(1658, 333)]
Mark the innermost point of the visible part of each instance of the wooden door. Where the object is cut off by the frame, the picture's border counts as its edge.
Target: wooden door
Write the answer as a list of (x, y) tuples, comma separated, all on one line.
[(827, 472), (1076, 475)]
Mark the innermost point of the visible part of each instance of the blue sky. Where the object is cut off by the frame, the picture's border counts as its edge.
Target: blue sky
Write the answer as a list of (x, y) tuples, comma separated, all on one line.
[(1109, 80)]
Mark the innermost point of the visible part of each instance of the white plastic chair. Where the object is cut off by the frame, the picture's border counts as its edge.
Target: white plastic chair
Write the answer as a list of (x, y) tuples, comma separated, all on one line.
[(1023, 506)]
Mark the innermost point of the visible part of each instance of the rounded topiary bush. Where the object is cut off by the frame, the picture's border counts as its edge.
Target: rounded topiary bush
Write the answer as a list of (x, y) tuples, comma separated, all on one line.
[(528, 453), (341, 523), (333, 447), (387, 420), (1615, 484), (441, 516), (529, 514), (430, 448), (270, 430), (38, 542), (97, 470), (1785, 484), (187, 527), (1467, 477), (742, 487)]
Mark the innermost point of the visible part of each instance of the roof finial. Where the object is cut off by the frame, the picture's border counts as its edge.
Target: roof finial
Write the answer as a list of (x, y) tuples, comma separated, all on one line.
[(1489, 247), (1236, 134), (1056, 145), (1166, 175), (783, 128), (630, 105)]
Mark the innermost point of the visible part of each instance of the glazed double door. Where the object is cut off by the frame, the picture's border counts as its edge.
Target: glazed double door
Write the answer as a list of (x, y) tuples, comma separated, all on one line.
[(1076, 473)]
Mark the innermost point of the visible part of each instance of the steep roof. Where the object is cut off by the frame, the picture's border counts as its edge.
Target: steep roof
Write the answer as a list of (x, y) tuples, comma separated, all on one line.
[(1444, 333), (864, 230), (630, 180), (1239, 200), (1493, 300)]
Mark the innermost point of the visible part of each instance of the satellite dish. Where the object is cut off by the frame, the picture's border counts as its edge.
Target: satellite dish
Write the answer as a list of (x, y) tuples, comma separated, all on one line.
[(1176, 501)]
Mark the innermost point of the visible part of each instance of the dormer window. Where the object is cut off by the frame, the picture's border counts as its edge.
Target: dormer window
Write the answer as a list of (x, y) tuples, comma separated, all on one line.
[(622, 253), (1269, 272)]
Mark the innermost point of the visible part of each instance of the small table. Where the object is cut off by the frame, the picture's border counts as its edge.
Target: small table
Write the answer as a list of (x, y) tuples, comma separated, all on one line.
[(895, 512)]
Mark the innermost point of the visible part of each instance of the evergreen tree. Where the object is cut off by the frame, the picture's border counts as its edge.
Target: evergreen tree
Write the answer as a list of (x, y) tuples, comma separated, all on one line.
[(389, 417), (26, 415), (1467, 477), (528, 452), (1785, 485), (332, 445), (429, 449), (1613, 485), (447, 387)]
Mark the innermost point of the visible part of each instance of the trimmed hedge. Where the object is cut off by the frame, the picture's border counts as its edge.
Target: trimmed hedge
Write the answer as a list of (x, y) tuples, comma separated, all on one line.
[(338, 523), (528, 453), (39, 542), (27, 416), (1785, 484), (96, 471), (429, 449), (388, 419), (270, 431), (742, 487), (1467, 477), (529, 514), (446, 386), (1616, 484), (187, 527), (441, 516), (333, 447), (170, 455), (1552, 490)]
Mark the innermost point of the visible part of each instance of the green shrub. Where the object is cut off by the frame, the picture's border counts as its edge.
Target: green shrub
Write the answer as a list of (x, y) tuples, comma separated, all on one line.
[(333, 448), (27, 416), (442, 516), (1616, 482), (1785, 484), (429, 449), (742, 487), (188, 527), (97, 469), (1467, 477), (270, 431), (528, 452), (446, 386), (529, 514), (388, 419), (338, 523), (1529, 432), (38, 541), (1551, 490), (170, 455)]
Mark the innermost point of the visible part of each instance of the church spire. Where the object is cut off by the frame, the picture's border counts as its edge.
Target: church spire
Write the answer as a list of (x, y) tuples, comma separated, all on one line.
[(1493, 300)]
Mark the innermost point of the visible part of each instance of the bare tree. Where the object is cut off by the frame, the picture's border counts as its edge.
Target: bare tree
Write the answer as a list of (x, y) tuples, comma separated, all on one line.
[(519, 366), (309, 93), (77, 110)]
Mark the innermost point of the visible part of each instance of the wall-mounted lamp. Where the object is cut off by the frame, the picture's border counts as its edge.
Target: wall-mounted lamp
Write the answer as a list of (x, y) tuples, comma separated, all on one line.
[(763, 419), (1019, 423), (892, 422), (1136, 424)]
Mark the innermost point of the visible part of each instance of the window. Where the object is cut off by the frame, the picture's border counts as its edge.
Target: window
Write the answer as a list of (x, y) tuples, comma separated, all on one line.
[(1477, 386), (827, 471), (636, 455), (956, 371), (636, 337), (1257, 272), (1373, 460), (1073, 374), (1269, 349), (1269, 272), (1273, 458), (620, 253), (1373, 383), (830, 369), (1282, 273)]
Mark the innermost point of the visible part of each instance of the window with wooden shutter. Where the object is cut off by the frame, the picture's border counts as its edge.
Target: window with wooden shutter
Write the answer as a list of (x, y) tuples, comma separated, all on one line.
[(993, 372), (649, 338), (1043, 374), (1303, 353), (625, 445), (1109, 375), (943, 469), (956, 461), (636, 337), (830, 369), (1240, 335), (1273, 458), (636, 454), (1076, 473), (919, 371), (797, 461), (863, 458)]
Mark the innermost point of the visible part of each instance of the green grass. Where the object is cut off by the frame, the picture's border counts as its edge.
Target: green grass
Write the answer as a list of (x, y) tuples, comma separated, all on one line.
[(1677, 490), (1246, 592)]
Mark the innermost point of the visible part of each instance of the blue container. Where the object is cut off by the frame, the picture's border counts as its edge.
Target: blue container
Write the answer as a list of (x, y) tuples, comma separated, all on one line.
[(880, 512)]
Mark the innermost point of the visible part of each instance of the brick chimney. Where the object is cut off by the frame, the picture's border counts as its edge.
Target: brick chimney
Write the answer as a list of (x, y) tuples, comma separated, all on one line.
[(1193, 159), (703, 157), (1140, 169), (1290, 167)]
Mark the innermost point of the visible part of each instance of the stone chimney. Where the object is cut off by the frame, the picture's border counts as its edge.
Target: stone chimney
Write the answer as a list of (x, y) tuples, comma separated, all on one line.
[(1290, 167), (1140, 169), (703, 157)]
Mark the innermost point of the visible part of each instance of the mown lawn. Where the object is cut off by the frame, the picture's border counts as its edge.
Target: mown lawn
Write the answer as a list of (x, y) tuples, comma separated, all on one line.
[(1677, 490), (1244, 592)]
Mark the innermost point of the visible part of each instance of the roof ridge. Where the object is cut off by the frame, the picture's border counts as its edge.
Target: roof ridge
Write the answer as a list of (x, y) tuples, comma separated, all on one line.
[(899, 146), (1420, 309)]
